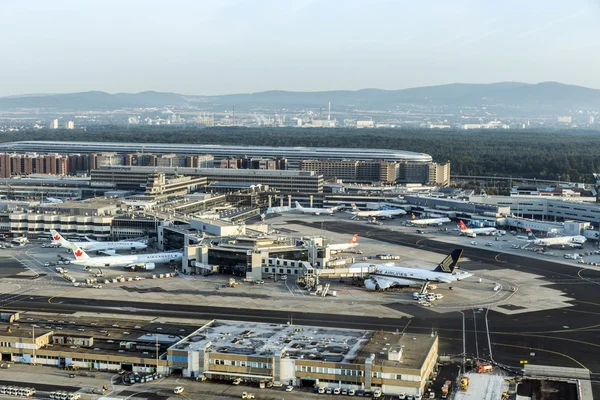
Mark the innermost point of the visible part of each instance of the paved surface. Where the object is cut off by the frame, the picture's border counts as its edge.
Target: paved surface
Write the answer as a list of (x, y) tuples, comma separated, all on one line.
[(564, 333), (48, 379)]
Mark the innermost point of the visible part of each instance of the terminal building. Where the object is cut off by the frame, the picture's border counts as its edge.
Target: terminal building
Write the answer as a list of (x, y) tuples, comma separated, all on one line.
[(294, 155), (284, 181), (308, 356)]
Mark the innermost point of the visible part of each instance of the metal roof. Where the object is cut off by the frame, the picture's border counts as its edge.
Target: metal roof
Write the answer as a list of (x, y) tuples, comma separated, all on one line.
[(218, 150)]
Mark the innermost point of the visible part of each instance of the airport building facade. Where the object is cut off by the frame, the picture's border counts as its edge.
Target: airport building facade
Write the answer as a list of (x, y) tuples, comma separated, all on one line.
[(294, 155), (284, 181), (308, 356)]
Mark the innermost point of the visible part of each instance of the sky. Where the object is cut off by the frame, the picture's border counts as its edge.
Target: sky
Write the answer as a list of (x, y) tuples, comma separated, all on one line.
[(241, 46)]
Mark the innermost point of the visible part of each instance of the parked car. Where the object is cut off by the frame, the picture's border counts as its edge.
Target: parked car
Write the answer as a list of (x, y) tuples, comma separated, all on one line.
[(178, 390)]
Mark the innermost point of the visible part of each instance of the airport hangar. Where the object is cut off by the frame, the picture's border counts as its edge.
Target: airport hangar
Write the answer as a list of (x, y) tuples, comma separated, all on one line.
[(293, 154)]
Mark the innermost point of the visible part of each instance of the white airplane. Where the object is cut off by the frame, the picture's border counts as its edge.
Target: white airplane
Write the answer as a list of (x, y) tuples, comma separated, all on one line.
[(345, 246), (375, 213), (315, 210), (430, 221), (53, 200), (96, 246), (389, 276), (570, 241), (145, 261), (479, 231)]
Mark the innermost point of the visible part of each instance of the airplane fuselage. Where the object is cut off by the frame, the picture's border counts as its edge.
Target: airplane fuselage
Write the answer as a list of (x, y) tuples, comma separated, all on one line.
[(99, 246), (133, 259)]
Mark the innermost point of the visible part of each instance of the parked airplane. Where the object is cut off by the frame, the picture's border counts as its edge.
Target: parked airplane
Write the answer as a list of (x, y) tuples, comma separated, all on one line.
[(357, 213), (146, 261), (53, 200), (315, 210), (430, 221), (388, 276), (478, 231), (96, 246), (345, 246), (570, 241)]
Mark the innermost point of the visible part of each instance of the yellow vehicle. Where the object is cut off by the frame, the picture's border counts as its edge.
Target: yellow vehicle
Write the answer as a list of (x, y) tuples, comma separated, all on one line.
[(464, 383)]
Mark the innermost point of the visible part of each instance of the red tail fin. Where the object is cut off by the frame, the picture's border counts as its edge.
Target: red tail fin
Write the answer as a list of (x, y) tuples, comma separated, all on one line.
[(462, 225), (354, 239)]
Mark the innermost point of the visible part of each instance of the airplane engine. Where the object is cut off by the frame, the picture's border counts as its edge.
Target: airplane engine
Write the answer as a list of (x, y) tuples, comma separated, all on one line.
[(370, 284), (149, 266)]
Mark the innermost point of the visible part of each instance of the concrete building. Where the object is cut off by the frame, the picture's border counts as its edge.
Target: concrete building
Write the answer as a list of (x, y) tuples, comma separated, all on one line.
[(105, 159), (128, 345), (32, 163), (53, 124), (424, 173), (308, 356), (352, 170), (365, 124), (293, 154), (284, 181), (552, 208), (69, 125)]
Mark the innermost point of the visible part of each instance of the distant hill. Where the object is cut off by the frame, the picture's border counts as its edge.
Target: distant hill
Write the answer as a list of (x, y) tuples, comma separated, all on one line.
[(523, 95), (93, 101)]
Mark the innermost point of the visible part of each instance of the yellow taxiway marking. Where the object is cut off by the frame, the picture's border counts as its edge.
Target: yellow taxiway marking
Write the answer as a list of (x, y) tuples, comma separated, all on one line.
[(544, 350)]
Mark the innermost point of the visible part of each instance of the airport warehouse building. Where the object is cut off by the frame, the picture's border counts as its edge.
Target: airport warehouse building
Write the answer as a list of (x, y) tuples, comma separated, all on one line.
[(308, 356)]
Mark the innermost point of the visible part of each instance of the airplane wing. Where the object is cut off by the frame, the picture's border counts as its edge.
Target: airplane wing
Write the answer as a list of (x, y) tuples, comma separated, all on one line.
[(109, 252), (386, 282), (89, 239)]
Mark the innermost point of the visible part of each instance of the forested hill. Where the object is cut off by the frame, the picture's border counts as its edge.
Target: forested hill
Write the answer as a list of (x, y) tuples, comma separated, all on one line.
[(573, 155)]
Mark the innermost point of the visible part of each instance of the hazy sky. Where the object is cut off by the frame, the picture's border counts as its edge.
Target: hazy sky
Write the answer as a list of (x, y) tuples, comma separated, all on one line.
[(232, 46)]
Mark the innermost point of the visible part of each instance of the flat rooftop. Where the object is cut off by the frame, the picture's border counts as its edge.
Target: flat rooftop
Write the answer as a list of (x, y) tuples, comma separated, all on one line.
[(107, 333), (414, 349), (267, 340)]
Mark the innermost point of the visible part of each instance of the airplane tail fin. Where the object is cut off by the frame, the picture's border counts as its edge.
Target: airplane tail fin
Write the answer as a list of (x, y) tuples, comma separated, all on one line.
[(78, 252), (354, 239), (450, 262), (530, 234), (354, 208), (463, 227), (58, 237), (298, 206)]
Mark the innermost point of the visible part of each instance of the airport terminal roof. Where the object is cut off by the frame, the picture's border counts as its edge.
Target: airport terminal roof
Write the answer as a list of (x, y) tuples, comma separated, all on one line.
[(217, 150), (415, 349), (268, 340)]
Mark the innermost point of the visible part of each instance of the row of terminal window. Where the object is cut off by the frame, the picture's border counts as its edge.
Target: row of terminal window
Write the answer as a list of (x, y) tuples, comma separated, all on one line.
[(330, 371), (238, 363), (289, 271)]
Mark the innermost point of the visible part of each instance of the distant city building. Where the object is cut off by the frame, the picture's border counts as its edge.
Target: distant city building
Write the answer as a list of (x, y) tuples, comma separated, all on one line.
[(53, 124), (365, 124), (69, 125), (592, 120), (565, 119)]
